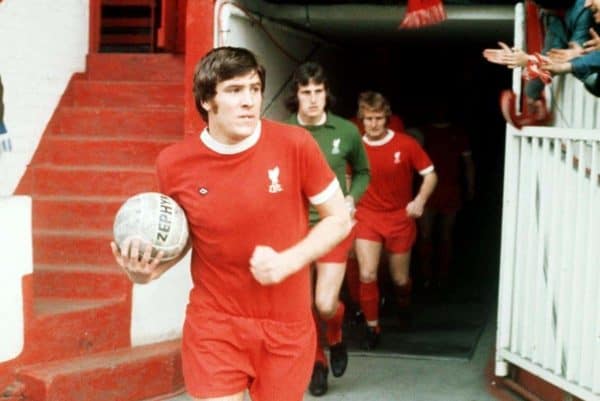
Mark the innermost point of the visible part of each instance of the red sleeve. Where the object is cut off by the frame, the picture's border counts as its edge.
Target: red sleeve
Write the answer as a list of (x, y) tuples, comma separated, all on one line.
[(318, 181)]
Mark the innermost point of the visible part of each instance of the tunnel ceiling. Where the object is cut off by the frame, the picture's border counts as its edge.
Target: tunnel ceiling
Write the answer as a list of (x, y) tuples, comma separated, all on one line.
[(371, 21)]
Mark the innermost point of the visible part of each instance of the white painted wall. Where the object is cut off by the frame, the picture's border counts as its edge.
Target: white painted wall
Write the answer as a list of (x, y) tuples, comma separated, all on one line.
[(158, 308), (42, 43), (17, 261)]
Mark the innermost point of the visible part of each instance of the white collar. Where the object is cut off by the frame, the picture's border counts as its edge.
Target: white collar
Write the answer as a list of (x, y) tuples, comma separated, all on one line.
[(379, 142), (227, 149), (321, 121)]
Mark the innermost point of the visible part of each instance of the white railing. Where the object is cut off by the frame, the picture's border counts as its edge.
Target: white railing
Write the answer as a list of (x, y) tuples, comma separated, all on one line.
[(549, 309), (549, 303), (573, 106)]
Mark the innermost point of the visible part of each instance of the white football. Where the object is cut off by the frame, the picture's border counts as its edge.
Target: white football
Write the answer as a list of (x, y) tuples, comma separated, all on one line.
[(155, 219)]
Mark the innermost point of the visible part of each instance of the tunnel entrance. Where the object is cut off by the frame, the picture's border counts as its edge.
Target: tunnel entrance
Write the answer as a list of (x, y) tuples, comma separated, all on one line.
[(361, 48)]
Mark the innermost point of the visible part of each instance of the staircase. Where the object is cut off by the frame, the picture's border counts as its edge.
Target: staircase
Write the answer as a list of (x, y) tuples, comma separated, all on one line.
[(98, 149)]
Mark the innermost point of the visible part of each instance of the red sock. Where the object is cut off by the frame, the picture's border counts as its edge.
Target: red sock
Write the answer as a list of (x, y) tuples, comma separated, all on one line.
[(353, 279), (369, 300), (319, 353), (403, 294), (334, 325)]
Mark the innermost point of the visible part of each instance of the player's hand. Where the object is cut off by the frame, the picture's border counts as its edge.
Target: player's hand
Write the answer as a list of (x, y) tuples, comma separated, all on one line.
[(415, 208), (267, 266), (140, 266), (350, 205), (593, 44)]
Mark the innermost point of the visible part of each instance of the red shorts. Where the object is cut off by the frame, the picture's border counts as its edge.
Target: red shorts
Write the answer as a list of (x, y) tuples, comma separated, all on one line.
[(394, 230), (224, 355), (339, 254)]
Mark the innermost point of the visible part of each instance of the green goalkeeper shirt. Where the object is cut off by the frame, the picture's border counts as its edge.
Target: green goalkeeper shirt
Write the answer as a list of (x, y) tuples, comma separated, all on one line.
[(342, 146)]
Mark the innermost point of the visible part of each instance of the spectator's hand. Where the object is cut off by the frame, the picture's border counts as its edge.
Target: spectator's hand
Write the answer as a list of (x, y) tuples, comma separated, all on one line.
[(512, 58), (564, 55), (415, 208), (593, 44), (554, 67), (267, 265), (140, 267)]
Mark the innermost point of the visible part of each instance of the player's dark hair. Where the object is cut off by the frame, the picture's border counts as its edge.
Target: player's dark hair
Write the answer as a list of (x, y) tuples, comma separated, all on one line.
[(309, 72), (373, 101), (221, 64)]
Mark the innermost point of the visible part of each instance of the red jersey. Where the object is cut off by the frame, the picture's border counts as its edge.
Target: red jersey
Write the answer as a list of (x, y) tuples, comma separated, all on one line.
[(238, 196), (393, 160), (446, 145)]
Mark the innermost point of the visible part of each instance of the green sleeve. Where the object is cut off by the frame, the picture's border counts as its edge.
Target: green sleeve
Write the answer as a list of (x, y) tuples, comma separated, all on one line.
[(360, 169)]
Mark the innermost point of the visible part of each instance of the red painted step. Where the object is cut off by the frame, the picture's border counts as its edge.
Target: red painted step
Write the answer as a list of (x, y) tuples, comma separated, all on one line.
[(128, 374), (79, 281), (72, 248), (92, 181), (66, 327), (135, 67), (81, 150), (120, 122), (127, 94), (75, 213)]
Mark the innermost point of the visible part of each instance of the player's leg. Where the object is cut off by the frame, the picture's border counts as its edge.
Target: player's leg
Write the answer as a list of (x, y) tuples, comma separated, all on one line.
[(399, 242), (425, 246), (216, 355), (330, 277), (284, 361), (400, 272), (368, 254), (447, 221)]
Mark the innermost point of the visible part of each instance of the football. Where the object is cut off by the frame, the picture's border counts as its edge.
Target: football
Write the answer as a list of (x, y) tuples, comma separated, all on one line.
[(155, 219)]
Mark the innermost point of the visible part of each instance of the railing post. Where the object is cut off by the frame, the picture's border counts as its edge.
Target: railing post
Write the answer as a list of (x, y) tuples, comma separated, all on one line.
[(95, 18)]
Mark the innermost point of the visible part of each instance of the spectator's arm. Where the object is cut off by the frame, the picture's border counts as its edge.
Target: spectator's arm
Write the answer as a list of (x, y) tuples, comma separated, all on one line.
[(593, 44)]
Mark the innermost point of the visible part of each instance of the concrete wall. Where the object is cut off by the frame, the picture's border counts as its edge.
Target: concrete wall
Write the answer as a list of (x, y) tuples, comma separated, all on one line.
[(280, 52), (42, 43)]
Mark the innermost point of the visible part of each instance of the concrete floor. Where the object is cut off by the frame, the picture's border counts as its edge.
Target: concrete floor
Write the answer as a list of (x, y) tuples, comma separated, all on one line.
[(388, 379)]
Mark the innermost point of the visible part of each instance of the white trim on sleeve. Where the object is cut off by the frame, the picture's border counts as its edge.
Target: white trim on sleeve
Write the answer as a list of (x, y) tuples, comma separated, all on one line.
[(426, 170), (325, 194)]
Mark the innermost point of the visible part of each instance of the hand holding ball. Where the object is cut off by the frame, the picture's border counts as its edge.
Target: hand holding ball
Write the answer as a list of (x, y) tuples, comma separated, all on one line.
[(154, 219)]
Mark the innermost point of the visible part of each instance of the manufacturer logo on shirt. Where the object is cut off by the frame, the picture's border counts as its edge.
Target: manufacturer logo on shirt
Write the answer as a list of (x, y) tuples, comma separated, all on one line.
[(396, 157), (336, 146), (203, 191), (273, 175)]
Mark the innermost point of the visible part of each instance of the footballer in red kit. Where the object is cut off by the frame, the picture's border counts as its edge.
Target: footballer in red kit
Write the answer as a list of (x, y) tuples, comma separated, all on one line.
[(245, 185), (386, 213)]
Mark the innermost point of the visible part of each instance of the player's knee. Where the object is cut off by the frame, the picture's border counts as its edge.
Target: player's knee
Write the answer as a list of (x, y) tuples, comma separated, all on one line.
[(400, 279), (368, 277), (326, 305)]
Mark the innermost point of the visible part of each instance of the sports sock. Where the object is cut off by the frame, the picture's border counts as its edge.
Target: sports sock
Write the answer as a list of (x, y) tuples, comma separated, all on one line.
[(319, 352), (369, 300), (334, 325)]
